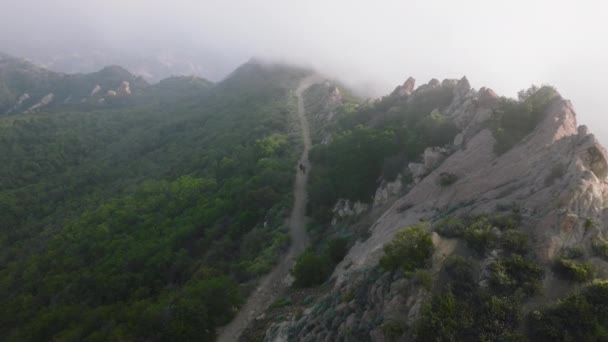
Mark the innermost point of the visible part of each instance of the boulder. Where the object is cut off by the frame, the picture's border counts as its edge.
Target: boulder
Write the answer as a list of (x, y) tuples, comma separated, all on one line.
[(417, 169), (458, 139), (406, 89), (462, 89), (433, 156)]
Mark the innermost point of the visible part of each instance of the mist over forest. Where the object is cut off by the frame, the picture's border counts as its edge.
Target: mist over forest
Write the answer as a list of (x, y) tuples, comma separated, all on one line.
[(373, 47)]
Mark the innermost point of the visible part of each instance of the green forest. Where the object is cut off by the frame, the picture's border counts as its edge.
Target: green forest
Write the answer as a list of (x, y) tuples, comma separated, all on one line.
[(143, 222)]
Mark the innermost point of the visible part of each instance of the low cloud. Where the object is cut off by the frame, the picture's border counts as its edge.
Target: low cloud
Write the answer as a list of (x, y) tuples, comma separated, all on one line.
[(371, 45)]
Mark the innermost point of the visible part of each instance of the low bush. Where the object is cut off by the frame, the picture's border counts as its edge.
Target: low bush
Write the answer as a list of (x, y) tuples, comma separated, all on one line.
[(514, 241), (392, 329), (516, 272), (446, 179), (337, 249), (600, 248), (422, 278), (582, 316), (311, 269), (462, 275), (571, 252), (410, 249), (572, 270), (480, 237), (451, 226), (514, 119)]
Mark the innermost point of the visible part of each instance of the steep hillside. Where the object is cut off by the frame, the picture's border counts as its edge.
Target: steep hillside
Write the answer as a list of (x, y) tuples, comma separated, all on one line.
[(149, 221), (469, 216)]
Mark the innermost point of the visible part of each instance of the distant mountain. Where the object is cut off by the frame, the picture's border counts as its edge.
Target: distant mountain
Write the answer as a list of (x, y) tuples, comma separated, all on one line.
[(153, 67), (26, 87)]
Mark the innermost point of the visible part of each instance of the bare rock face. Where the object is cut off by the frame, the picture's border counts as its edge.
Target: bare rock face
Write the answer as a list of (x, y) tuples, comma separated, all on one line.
[(487, 97), (462, 88), (95, 90), (417, 170), (335, 97), (568, 208), (43, 102), (406, 89), (124, 89), (346, 209), (388, 190), (458, 140), (23, 98), (433, 156)]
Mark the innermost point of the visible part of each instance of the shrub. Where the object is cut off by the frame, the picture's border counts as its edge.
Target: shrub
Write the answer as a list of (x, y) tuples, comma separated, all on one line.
[(281, 302), (465, 312), (392, 329), (503, 222), (514, 241), (572, 270), (461, 273), (451, 227), (480, 237), (600, 248), (582, 316), (516, 272), (347, 296), (571, 252), (514, 119), (311, 269), (557, 171), (446, 179), (337, 249), (392, 166), (423, 278), (410, 249)]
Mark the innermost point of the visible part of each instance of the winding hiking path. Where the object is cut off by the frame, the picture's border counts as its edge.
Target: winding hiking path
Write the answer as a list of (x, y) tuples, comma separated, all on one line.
[(272, 284)]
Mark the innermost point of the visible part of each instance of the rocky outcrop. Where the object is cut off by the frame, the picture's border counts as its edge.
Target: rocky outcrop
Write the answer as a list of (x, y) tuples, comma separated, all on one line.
[(322, 101), (345, 209), (95, 90), (431, 158), (570, 210), (23, 98), (406, 88), (388, 190), (42, 103), (124, 89)]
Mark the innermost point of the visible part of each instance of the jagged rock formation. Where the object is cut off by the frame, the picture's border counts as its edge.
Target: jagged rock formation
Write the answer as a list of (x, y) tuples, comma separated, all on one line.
[(561, 209), (323, 100), (347, 209), (406, 88)]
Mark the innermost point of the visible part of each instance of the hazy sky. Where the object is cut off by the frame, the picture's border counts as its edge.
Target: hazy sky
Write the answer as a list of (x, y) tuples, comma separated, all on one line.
[(506, 45)]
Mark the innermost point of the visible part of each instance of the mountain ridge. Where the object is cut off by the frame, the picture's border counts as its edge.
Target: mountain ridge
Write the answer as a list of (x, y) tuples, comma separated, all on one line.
[(555, 177)]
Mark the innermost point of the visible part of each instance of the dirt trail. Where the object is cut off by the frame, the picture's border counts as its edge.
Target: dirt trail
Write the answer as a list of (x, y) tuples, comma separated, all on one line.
[(272, 284)]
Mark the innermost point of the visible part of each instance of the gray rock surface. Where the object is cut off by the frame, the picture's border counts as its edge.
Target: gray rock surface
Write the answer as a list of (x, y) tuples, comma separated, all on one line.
[(554, 213)]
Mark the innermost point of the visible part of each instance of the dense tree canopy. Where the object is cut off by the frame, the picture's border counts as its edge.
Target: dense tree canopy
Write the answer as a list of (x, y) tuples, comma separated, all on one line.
[(139, 223)]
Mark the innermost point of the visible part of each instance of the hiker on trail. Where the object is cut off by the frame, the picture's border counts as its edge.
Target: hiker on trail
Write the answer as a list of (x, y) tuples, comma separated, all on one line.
[(303, 169)]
